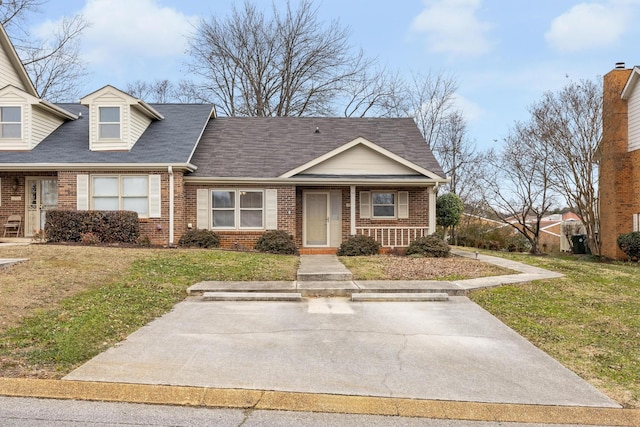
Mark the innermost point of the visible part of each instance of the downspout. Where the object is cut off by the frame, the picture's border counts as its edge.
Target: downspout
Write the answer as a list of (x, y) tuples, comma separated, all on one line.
[(171, 213), (432, 208), (352, 210)]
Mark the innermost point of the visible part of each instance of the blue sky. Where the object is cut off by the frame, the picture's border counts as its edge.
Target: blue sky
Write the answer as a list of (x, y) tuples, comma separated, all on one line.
[(503, 53)]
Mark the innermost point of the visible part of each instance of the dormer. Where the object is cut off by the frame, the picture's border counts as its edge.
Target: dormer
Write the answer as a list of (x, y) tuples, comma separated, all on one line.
[(116, 119), (26, 120)]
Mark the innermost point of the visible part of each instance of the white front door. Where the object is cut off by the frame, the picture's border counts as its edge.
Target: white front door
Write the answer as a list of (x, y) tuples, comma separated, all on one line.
[(42, 195), (316, 219)]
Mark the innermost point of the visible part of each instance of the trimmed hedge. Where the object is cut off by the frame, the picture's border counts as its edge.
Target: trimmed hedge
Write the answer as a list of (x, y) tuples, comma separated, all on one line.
[(429, 246), (199, 239), (276, 242), (359, 245), (630, 244), (102, 226)]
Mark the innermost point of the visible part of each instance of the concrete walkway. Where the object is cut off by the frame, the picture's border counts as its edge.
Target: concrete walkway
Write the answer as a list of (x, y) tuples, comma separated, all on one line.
[(326, 276)]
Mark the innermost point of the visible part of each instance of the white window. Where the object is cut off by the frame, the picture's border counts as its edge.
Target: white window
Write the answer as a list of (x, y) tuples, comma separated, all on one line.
[(383, 205), (10, 122), (109, 122), (113, 193), (237, 209)]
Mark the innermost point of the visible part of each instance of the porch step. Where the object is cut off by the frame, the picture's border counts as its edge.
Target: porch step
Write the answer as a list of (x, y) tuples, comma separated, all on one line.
[(322, 268), (251, 296), (400, 297)]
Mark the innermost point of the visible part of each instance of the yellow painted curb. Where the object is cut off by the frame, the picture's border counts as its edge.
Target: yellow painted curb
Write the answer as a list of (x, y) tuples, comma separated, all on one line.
[(316, 402)]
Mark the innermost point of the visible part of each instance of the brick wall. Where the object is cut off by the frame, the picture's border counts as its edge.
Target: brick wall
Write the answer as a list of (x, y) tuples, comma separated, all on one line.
[(156, 229), (619, 180), (243, 239)]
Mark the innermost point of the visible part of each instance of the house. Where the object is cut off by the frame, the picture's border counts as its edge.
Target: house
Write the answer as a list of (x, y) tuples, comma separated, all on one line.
[(618, 155), (181, 167)]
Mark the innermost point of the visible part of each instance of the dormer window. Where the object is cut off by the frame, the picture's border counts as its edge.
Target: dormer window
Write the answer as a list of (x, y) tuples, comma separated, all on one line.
[(109, 122), (10, 122)]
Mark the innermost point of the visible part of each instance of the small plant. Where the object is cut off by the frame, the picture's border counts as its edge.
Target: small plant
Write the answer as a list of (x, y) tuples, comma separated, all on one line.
[(276, 242), (630, 244), (359, 245), (144, 241), (429, 246), (199, 239)]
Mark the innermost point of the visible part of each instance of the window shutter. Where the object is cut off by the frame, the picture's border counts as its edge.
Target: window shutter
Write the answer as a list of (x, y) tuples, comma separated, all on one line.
[(636, 222), (202, 208), (365, 204), (82, 192), (0, 191), (271, 209), (154, 197), (403, 204)]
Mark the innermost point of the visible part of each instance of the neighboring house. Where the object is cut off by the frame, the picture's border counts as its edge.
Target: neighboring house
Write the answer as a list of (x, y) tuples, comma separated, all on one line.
[(181, 167), (619, 158)]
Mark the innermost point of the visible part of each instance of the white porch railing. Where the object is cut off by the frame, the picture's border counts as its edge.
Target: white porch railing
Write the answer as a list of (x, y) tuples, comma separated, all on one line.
[(393, 236)]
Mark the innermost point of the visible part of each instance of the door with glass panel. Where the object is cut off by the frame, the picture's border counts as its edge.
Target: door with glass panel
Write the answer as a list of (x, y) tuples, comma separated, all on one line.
[(42, 196)]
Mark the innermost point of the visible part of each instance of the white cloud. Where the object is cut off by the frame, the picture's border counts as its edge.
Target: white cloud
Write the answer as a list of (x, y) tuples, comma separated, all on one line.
[(451, 26), (471, 111), (589, 25), (127, 37)]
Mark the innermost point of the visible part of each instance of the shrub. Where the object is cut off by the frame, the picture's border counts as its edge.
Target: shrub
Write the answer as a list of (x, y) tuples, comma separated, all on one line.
[(89, 238), (430, 246), (276, 242), (630, 244), (359, 245), (106, 226), (199, 239)]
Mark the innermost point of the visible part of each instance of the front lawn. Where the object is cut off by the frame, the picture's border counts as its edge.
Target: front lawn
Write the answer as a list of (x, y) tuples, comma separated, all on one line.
[(69, 303), (589, 320)]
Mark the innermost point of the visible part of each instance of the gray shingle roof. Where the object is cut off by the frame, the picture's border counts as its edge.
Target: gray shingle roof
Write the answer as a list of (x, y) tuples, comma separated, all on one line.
[(167, 141), (259, 147)]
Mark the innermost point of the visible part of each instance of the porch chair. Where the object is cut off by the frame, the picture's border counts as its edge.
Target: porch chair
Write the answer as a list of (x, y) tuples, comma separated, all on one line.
[(12, 226)]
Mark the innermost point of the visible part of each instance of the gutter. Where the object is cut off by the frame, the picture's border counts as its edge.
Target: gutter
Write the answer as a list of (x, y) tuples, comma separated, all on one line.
[(171, 209)]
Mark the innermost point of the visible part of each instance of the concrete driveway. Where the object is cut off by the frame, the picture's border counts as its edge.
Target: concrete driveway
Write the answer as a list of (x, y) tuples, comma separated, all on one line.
[(451, 350)]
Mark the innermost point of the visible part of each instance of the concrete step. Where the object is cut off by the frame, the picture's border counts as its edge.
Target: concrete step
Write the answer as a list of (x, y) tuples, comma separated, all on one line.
[(325, 277), (251, 296), (402, 296)]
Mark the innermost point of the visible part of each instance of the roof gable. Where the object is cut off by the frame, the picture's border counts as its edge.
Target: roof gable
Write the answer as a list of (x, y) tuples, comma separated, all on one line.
[(359, 157), (111, 92), (13, 72)]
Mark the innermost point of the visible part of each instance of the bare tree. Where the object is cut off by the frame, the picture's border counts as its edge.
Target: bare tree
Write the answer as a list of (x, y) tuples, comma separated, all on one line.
[(54, 63), (289, 64), (570, 123), (517, 183), (458, 156), (163, 91), (376, 92), (428, 98)]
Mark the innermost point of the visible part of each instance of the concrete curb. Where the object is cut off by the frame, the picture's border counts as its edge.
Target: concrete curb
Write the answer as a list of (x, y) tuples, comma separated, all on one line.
[(310, 402)]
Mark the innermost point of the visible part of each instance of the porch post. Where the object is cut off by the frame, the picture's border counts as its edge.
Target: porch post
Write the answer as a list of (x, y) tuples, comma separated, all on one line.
[(352, 211), (432, 209)]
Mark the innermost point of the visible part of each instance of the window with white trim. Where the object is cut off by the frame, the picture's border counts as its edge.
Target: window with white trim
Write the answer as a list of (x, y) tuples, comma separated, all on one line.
[(10, 122), (237, 209), (383, 204), (121, 192), (108, 122)]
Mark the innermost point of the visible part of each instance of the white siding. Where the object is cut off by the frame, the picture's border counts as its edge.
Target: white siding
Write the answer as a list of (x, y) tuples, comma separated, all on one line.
[(8, 75), (42, 125), (360, 160), (634, 120), (139, 123)]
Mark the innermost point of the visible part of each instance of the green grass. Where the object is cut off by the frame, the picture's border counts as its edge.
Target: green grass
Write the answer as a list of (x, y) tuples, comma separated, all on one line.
[(87, 323), (589, 320)]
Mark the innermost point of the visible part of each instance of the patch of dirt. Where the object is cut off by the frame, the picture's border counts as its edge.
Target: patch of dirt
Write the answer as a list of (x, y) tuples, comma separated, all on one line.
[(454, 268)]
